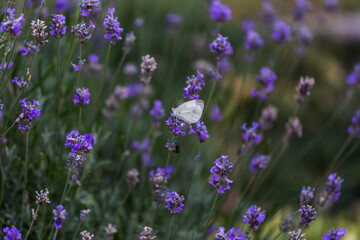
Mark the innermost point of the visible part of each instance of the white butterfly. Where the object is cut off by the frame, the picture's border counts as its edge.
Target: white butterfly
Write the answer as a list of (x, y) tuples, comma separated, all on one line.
[(190, 112)]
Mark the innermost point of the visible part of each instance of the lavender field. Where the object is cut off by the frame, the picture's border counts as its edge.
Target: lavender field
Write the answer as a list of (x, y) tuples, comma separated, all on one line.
[(169, 119)]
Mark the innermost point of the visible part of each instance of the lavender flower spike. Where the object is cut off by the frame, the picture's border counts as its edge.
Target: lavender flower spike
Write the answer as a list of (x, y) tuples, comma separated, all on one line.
[(355, 127), (334, 234), (232, 234), (303, 88), (11, 233), (194, 86), (306, 195), (297, 235), (146, 234), (38, 28), (219, 12), (250, 137), (221, 47), (59, 215), (42, 197), (112, 27), (200, 130), (174, 203), (253, 40), (29, 49), (29, 114), (87, 6), (332, 189), (266, 79), (57, 26), (268, 117), (259, 162), (307, 214), (221, 169), (254, 216), (11, 24), (85, 235), (281, 32), (82, 96), (83, 33), (354, 77), (148, 66), (110, 230)]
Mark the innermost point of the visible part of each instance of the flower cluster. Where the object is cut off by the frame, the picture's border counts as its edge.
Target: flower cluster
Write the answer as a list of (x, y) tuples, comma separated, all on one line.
[(332, 189), (11, 24), (112, 27), (288, 221), (144, 148), (38, 28), (29, 49), (334, 234), (147, 66), (59, 215), (84, 213), (74, 169), (301, 8), (215, 114), (79, 143), (57, 25), (81, 96), (146, 234), (307, 214), (304, 35), (172, 146), (297, 235), (23, 84), (174, 203), (29, 114), (281, 32), (132, 177), (129, 42), (293, 129), (266, 79), (176, 125), (221, 47), (42, 197), (219, 12), (306, 195), (303, 88), (250, 137), (268, 117), (354, 77), (258, 163), (87, 6), (253, 40), (85, 235), (158, 113), (11, 233), (158, 180), (200, 130), (79, 66), (254, 216), (81, 32), (232, 234), (355, 127), (194, 86), (221, 169), (110, 230)]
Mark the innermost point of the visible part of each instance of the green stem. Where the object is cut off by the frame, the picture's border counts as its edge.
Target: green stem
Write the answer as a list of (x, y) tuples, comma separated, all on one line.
[(171, 224), (126, 196), (12, 125), (80, 115), (25, 170), (78, 76), (209, 217), (59, 85), (32, 223), (77, 230), (2, 180), (277, 235), (210, 96), (56, 231)]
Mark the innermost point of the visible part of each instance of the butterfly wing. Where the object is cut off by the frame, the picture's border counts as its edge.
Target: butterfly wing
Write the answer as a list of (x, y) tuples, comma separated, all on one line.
[(190, 112)]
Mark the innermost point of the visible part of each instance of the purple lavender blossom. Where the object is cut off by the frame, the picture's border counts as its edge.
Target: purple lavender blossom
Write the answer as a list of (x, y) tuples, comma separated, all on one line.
[(59, 215), (38, 31), (23, 84), (7, 65), (57, 25), (259, 162), (200, 130), (268, 13), (81, 32), (29, 49), (75, 168), (307, 214), (232, 234), (146, 234), (148, 66), (266, 79), (11, 24), (303, 88), (158, 113), (287, 222), (81, 96), (11, 233), (1, 109), (219, 12), (87, 6), (253, 40), (306, 195), (281, 32), (79, 66), (247, 25), (138, 22), (173, 22), (29, 114), (159, 183), (144, 148), (297, 235), (250, 137), (173, 147), (112, 27), (225, 65), (84, 213), (79, 143), (305, 36), (355, 127), (221, 169), (334, 234), (254, 216), (174, 203), (354, 77), (176, 125), (215, 114), (331, 5), (221, 47), (301, 7), (61, 6), (194, 86), (332, 189), (268, 117)]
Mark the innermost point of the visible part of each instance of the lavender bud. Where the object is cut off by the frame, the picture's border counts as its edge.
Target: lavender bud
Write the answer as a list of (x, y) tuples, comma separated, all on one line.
[(268, 117), (303, 88), (42, 197), (85, 235), (334, 234), (296, 235), (307, 214), (132, 177), (84, 213), (147, 66), (110, 230), (38, 28), (146, 234), (293, 129), (254, 216)]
